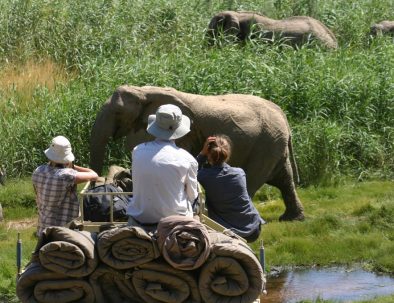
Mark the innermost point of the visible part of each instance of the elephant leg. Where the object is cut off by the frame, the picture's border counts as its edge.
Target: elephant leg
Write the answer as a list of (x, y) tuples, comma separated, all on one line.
[(257, 175), (285, 183)]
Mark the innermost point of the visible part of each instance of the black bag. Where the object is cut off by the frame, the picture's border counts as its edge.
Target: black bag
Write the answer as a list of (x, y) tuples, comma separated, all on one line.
[(123, 179), (96, 208)]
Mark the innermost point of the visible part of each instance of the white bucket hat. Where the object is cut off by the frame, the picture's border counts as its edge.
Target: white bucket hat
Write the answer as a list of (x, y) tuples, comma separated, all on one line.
[(168, 123), (60, 150)]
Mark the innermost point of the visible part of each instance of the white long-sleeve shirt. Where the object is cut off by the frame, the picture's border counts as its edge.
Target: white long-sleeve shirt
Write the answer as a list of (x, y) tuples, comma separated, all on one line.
[(164, 181)]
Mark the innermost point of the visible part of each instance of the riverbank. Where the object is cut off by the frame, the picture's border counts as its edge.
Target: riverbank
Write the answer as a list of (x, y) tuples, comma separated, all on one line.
[(351, 223)]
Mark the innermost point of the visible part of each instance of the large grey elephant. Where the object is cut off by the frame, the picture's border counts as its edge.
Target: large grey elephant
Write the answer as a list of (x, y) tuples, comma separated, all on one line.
[(257, 127), (295, 31), (383, 27)]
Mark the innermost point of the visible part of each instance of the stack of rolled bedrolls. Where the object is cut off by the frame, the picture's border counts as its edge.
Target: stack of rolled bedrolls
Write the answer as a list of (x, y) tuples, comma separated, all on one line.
[(182, 262)]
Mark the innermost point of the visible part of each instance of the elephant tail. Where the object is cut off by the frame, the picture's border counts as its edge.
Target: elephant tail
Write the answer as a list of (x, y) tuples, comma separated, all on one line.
[(293, 162)]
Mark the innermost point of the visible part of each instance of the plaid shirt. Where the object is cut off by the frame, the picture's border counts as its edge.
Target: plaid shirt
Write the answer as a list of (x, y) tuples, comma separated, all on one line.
[(56, 196)]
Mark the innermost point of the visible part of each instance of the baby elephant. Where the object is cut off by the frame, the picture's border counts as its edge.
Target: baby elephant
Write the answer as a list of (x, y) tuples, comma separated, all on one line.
[(295, 31), (384, 27)]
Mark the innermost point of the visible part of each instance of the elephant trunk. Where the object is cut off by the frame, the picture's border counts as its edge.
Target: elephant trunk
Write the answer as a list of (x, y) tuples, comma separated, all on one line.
[(103, 129)]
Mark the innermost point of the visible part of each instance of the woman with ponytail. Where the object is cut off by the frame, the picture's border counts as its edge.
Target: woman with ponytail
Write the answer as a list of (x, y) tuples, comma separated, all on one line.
[(227, 198)]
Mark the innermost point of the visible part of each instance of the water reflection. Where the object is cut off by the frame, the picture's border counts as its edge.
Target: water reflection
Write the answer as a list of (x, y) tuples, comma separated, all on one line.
[(337, 284)]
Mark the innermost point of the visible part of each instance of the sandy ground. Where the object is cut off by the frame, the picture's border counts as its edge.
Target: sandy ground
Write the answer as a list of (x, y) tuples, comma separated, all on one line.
[(20, 224)]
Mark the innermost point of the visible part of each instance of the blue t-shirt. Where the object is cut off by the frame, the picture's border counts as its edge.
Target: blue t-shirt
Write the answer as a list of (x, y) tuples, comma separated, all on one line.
[(227, 198)]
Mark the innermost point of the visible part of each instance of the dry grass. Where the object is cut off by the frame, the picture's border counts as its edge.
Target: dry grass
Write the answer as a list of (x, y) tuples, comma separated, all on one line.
[(22, 224), (20, 82)]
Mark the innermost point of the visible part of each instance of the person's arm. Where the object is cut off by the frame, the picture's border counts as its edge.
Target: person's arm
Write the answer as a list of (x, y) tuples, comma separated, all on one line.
[(203, 155), (205, 148), (201, 160), (84, 174), (191, 182)]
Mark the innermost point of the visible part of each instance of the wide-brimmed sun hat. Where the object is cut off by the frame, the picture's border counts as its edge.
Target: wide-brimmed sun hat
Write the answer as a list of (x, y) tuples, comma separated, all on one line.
[(168, 123), (60, 150)]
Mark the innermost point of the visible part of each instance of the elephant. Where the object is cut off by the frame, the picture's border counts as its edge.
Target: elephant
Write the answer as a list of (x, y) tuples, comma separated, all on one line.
[(2, 175), (258, 128), (295, 31), (383, 27), (2, 182)]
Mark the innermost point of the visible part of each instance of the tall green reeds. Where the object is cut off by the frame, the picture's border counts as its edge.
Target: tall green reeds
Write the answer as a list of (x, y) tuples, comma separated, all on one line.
[(339, 103)]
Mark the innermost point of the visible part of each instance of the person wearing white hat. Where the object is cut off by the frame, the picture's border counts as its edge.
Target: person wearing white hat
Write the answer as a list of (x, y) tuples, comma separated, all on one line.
[(164, 175), (55, 185)]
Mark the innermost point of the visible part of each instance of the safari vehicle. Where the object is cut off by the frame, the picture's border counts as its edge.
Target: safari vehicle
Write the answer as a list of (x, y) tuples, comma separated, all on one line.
[(25, 279), (200, 211)]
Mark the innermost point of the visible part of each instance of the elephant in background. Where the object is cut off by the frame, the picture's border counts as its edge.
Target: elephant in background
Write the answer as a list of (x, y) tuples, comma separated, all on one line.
[(2, 182), (294, 31), (258, 128), (2, 175), (381, 28)]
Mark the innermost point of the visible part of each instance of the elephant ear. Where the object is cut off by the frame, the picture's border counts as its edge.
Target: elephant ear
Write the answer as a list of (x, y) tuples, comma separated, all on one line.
[(231, 24), (215, 22), (376, 29), (225, 22), (156, 96)]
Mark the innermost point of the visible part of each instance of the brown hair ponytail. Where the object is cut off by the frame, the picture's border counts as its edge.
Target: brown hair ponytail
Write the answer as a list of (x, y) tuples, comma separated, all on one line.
[(219, 151)]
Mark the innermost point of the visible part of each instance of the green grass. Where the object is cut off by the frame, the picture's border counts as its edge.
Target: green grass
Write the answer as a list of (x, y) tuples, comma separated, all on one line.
[(386, 299), (8, 269), (347, 224)]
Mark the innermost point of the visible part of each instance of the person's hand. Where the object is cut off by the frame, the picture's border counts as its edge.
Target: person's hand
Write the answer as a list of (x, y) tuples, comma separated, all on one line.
[(206, 146)]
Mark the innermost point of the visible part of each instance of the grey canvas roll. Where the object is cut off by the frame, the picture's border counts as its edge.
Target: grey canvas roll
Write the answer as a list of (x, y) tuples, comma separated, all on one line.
[(112, 285), (37, 284), (232, 274), (67, 251), (126, 247), (183, 242), (158, 282)]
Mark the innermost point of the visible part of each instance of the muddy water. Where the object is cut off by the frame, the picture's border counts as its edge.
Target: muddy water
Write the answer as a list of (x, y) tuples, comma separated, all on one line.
[(336, 284)]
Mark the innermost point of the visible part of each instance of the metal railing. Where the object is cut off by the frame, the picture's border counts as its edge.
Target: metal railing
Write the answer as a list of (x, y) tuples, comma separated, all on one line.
[(95, 226)]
